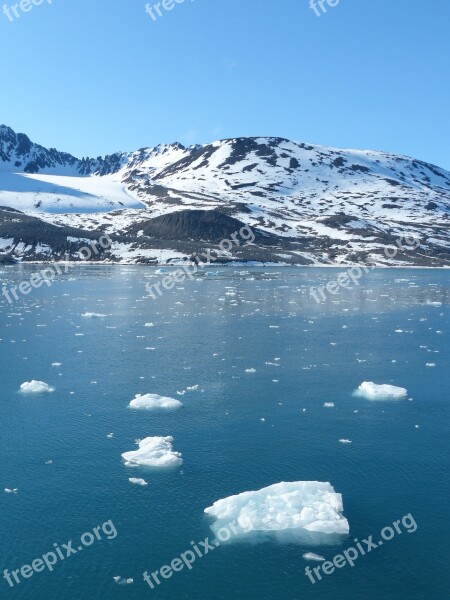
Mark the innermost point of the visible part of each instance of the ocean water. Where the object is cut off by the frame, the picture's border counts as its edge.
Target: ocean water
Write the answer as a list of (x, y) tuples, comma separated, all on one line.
[(207, 332)]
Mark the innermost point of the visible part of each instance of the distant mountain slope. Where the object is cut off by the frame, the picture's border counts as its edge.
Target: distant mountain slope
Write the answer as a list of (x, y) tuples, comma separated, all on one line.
[(320, 205)]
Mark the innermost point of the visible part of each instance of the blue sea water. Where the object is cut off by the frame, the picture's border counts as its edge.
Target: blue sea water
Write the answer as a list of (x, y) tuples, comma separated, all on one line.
[(207, 332)]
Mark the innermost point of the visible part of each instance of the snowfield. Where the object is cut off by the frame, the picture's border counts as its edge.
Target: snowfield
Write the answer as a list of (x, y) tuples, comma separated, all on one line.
[(334, 206)]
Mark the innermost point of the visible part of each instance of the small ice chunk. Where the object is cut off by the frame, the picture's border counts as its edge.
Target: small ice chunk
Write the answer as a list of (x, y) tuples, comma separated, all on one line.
[(310, 505), (92, 315), (154, 402), (312, 556), (373, 391), (154, 452), (123, 580), (11, 491), (250, 370), (329, 405), (35, 387), (345, 441), (137, 481)]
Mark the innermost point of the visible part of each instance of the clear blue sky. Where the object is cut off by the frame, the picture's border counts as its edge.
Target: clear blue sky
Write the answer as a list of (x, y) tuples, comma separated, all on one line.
[(95, 76)]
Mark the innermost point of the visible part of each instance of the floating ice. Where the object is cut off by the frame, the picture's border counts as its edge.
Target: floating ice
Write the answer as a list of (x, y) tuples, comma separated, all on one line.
[(123, 580), (35, 387), (137, 481), (13, 491), (250, 370), (154, 402), (91, 315), (373, 391), (154, 452), (345, 441), (329, 405), (310, 505), (312, 556)]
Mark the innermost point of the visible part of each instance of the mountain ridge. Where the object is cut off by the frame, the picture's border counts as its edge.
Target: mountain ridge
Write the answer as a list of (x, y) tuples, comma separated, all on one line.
[(323, 205)]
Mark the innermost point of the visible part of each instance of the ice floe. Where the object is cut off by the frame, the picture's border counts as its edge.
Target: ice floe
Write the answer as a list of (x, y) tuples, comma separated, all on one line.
[(309, 505), (312, 556), (373, 391), (123, 580), (154, 452), (35, 387), (154, 402), (137, 481)]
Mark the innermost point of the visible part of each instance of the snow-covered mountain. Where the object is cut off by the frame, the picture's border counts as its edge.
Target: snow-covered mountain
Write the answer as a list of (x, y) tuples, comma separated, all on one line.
[(308, 204)]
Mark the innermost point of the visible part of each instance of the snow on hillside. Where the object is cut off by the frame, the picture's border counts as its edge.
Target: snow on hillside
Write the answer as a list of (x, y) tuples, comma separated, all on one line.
[(338, 203)]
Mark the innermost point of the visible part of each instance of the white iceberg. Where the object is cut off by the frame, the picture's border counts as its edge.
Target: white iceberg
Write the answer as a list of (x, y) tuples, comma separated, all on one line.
[(93, 315), (313, 556), (309, 505), (154, 402), (373, 391), (137, 481), (35, 387), (154, 452), (123, 580)]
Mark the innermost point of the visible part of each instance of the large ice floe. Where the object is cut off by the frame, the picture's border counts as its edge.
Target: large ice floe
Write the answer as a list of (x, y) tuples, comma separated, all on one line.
[(312, 506), (35, 387), (373, 391), (154, 452), (154, 402)]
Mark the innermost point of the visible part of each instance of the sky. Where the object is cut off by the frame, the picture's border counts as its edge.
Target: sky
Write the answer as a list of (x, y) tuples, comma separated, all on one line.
[(92, 77)]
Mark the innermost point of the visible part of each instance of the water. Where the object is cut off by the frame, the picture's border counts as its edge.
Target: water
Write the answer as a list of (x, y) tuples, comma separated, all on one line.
[(208, 332)]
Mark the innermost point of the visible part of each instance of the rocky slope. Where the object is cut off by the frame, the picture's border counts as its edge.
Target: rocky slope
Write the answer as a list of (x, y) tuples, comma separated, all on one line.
[(307, 204)]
